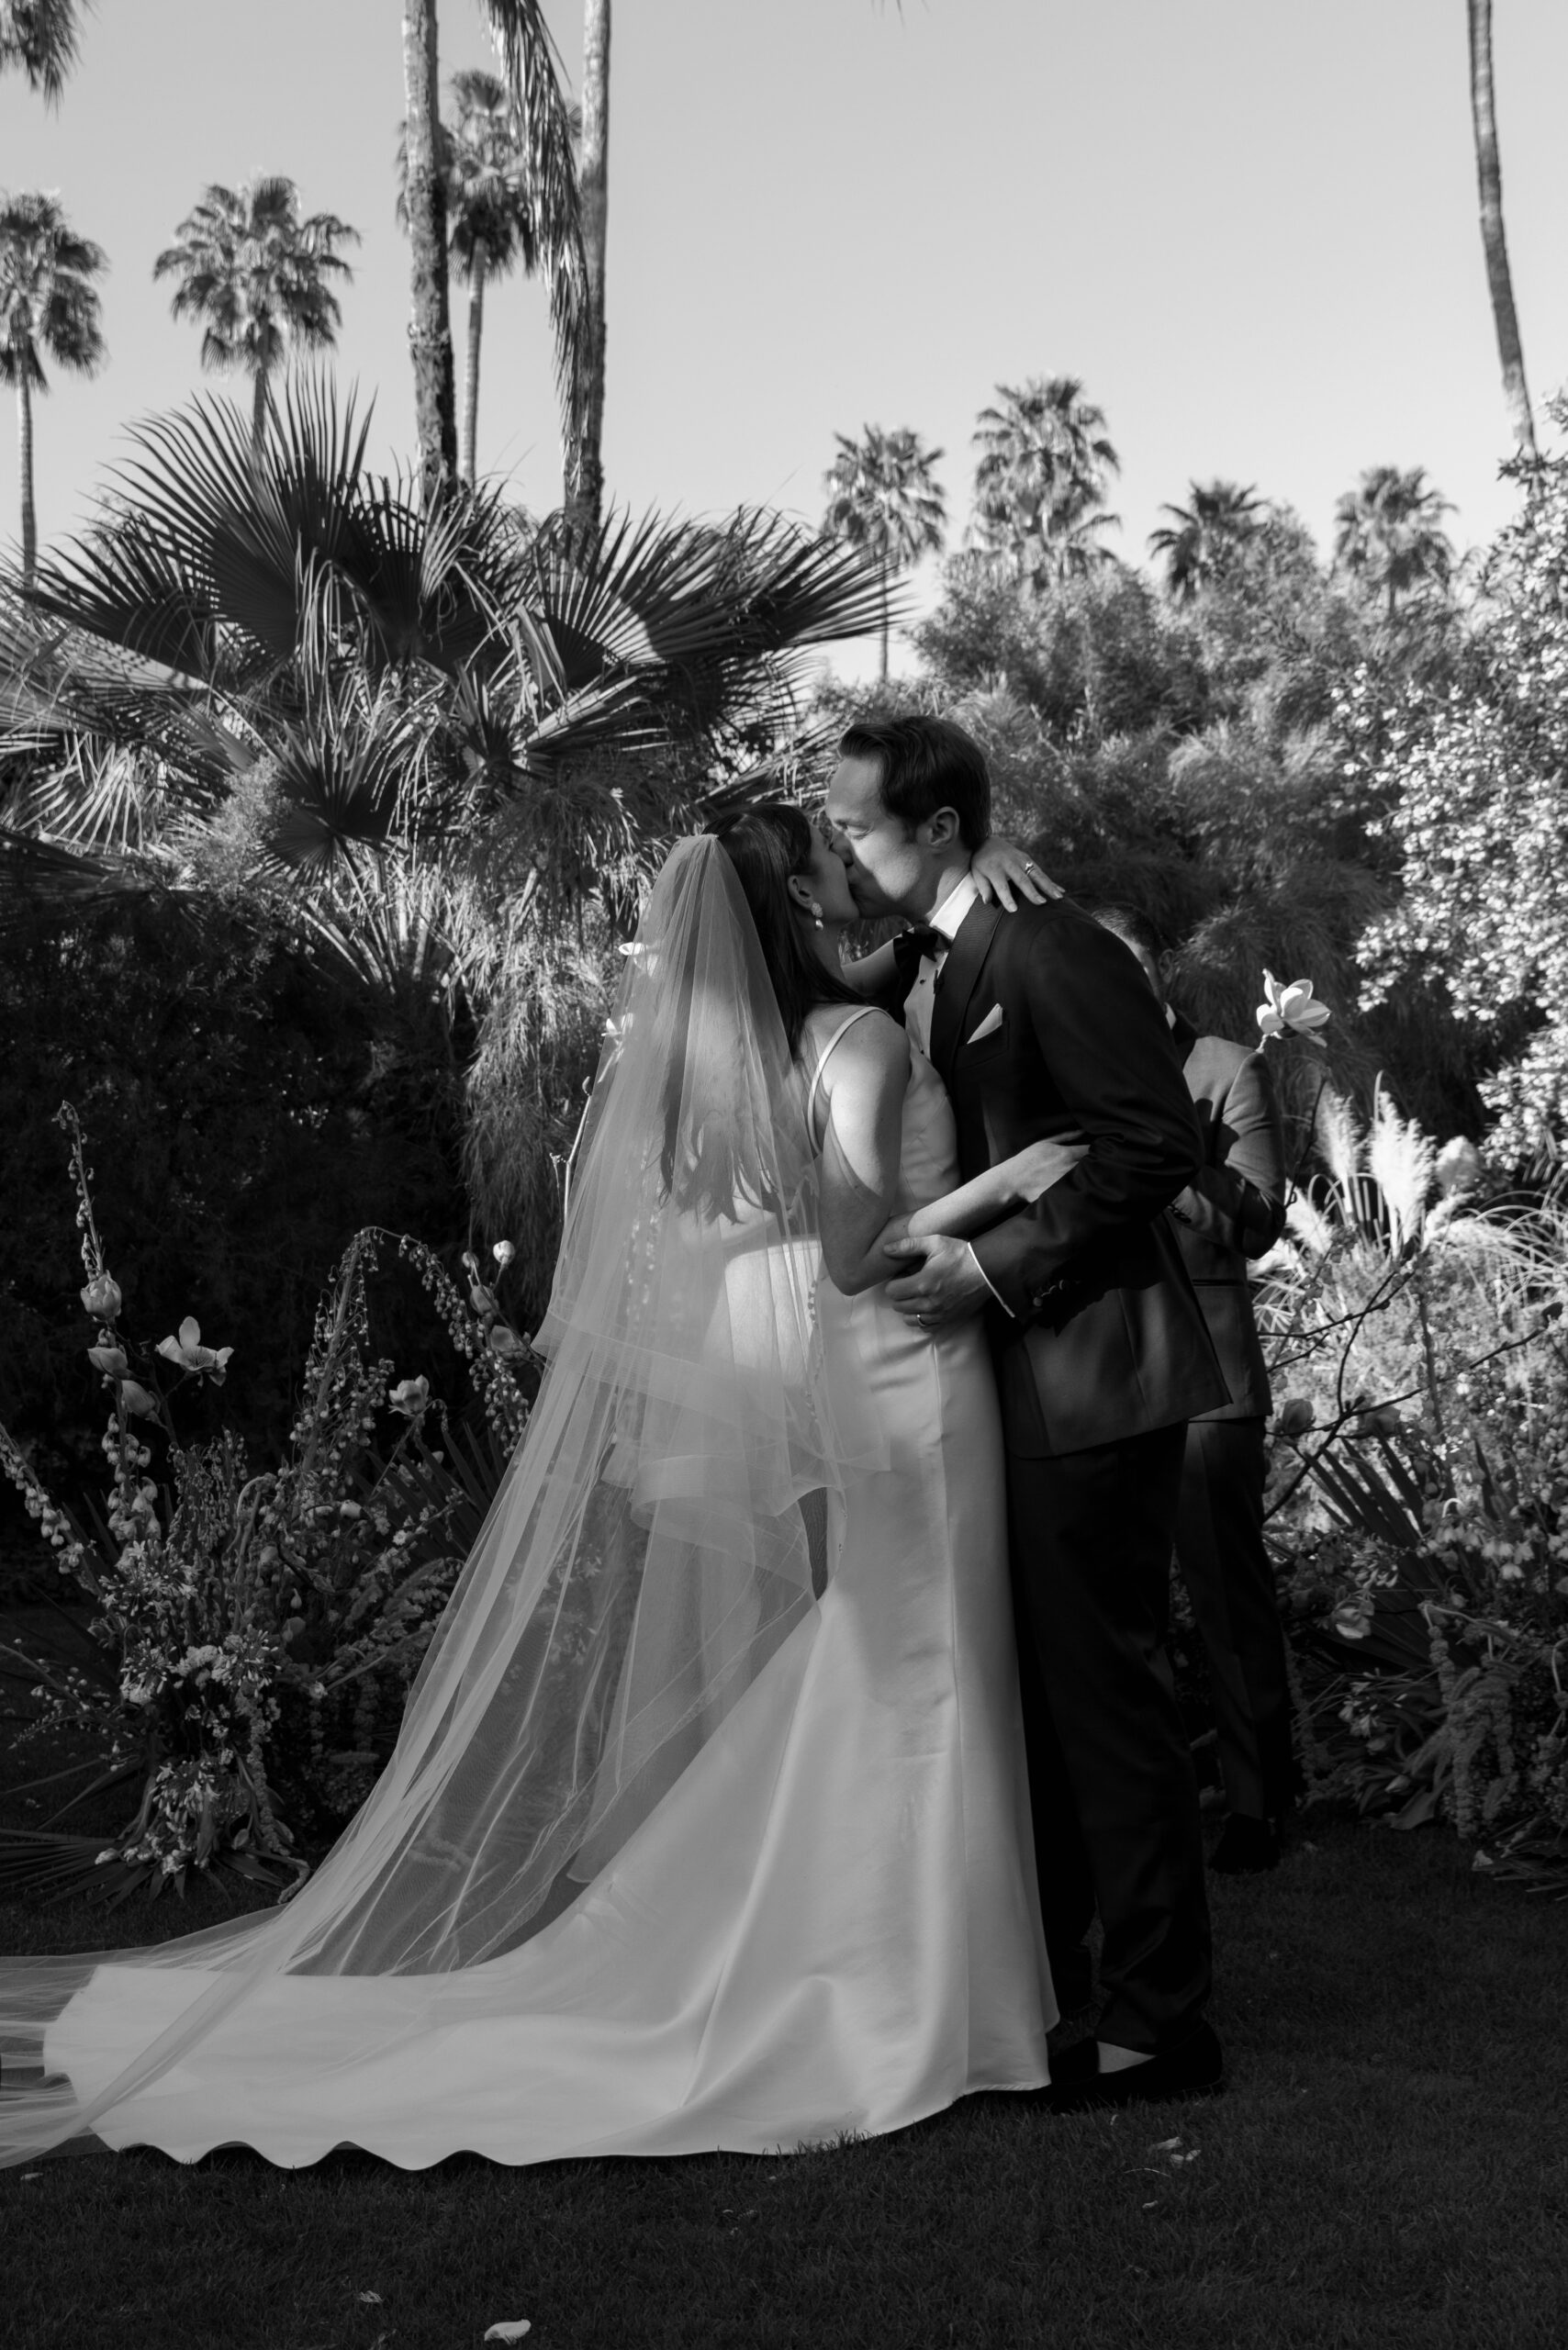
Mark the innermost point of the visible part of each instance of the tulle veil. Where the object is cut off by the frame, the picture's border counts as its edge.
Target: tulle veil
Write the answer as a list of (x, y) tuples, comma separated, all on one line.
[(647, 1553)]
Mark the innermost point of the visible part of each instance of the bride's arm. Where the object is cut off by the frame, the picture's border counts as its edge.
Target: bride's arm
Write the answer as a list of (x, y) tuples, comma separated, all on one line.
[(1011, 1184), (1000, 868), (865, 1078)]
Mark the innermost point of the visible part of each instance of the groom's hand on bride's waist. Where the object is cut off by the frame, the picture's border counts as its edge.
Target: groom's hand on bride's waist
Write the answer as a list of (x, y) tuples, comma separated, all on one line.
[(945, 1285)]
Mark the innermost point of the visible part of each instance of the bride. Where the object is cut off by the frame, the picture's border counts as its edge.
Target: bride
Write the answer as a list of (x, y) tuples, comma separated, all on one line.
[(707, 1825)]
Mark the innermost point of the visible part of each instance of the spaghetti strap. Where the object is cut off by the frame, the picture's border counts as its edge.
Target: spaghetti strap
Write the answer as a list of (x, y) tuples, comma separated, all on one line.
[(841, 1030)]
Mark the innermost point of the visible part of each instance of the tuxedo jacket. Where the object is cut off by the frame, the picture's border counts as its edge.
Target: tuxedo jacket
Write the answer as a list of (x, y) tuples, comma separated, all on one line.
[(1102, 1337), (1235, 1206)]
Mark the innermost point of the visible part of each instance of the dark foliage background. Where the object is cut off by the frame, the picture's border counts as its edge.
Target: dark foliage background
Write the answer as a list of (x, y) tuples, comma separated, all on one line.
[(245, 1118)]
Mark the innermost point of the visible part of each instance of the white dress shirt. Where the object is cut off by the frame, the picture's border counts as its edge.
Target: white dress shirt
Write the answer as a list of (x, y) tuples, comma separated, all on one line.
[(948, 917)]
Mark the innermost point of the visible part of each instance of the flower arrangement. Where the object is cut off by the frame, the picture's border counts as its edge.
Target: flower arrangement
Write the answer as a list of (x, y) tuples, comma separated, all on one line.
[(256, 1632)]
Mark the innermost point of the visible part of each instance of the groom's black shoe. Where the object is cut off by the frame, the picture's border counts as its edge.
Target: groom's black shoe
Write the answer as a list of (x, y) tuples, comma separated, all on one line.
[(1247, 1847), (1194, 2069)]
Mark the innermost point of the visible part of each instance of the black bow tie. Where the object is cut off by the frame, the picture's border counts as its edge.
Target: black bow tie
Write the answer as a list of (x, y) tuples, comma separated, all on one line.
[(911, 946)]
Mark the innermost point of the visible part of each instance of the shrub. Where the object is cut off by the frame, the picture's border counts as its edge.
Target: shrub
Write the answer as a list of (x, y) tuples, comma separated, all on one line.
[(1418, 1490)]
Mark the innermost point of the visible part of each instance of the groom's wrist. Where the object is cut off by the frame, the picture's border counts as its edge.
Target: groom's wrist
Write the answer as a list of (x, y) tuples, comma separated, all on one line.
[(990, 1284)]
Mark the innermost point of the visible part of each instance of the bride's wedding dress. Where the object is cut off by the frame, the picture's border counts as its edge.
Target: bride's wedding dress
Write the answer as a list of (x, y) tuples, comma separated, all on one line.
[(828, 1924), (818, 1912)]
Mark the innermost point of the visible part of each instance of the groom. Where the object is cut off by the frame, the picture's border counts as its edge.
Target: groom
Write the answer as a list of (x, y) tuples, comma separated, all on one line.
[(1041, 1024)]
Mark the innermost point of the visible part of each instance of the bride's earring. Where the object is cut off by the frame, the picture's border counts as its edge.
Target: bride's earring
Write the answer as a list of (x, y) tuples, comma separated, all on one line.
[(816, 916)]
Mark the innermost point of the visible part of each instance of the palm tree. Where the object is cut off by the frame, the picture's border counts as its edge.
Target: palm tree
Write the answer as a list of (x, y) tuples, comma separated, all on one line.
[(1388, 533), (47, 304), (255, 274), (1040, 482), (1489, 175), (585, 463), (39, 36), (544, 126), (424, 208), (416, 676), (883, 498), (1199, 540), (490, 212)]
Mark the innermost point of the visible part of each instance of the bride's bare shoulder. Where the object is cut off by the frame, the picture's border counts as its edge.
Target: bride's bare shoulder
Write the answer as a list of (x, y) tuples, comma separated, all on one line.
[(865, 1025), (860, 1047)]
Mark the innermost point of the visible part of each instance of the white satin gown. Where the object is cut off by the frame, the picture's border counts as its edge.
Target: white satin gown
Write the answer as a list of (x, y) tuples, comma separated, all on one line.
[(829, 1924)]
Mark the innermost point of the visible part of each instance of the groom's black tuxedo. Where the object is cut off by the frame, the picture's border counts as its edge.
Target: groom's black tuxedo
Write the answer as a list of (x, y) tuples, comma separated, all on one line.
[(1107, 1338), (1102, 1356)]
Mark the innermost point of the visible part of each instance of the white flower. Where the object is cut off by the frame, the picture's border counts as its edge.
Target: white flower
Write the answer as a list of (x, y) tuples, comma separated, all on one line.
[(1352, 1621), (1458, 1166), (411, 1397), (1293, 1008), (503, 1252), (135, 1398), (110, 1361), (186, 1350), (102, 1297), (506, 1343), (514, 2329)]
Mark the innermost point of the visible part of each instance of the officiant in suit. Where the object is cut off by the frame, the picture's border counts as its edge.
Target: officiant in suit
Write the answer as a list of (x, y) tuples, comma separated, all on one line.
[(1040, 1025), (1233, 1210)]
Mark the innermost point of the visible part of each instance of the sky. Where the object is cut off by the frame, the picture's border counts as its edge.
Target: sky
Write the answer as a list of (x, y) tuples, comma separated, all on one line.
[(1248, 226)]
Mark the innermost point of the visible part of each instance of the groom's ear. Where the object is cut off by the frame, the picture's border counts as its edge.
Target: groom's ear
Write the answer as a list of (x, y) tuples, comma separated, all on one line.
[(941, 829)]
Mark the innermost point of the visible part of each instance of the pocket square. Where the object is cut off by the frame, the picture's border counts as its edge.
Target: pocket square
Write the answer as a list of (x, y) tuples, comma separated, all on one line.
[(987, 1026)]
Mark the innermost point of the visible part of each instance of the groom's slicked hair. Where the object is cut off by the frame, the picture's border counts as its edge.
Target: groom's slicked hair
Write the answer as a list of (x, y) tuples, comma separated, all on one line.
[(926, 764)]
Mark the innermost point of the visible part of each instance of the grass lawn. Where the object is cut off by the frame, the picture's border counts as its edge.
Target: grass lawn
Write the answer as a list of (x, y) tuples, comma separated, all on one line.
[(1390, 2168)]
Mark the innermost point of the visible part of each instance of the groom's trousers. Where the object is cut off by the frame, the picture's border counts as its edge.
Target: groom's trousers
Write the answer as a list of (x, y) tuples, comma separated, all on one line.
[(1111, 1779)]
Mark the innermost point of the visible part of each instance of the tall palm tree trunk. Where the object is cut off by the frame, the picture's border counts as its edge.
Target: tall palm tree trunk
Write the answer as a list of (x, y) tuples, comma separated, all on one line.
[(258, 411), (25, 467), (429, 325), (1489, 174), (471, 381), (585, 499), (887, 621)]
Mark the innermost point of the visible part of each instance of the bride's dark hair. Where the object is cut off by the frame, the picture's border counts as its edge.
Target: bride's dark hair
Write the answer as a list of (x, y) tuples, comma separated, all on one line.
[(768, 845), (709, 1161)]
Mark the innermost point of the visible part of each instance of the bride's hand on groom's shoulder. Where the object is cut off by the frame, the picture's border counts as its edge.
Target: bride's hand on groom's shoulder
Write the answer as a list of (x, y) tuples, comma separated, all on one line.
[(1000, 868)]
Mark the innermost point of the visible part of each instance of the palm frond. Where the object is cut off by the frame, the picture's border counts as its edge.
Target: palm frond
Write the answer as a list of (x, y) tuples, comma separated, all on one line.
[(549, 164)]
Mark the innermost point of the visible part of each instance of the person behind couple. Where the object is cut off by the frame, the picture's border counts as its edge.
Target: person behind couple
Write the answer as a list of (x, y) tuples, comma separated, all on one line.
[(1040, 1025), (1233, 1210)]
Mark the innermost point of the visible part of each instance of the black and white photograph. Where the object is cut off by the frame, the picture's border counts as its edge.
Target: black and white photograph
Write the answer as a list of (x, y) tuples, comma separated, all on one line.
[(783, 1209)]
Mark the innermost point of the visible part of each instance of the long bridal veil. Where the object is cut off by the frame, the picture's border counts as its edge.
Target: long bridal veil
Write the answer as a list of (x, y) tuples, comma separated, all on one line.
[(645, 1557)]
